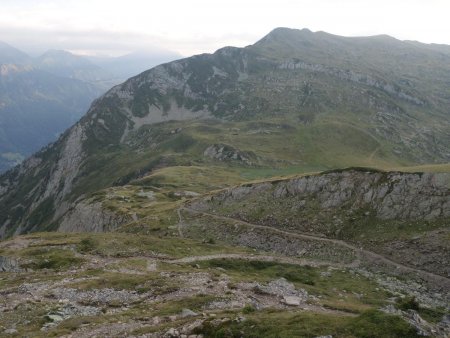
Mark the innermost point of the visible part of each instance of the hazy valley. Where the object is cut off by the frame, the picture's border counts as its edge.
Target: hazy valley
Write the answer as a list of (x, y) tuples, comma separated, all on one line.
[(42, 96)]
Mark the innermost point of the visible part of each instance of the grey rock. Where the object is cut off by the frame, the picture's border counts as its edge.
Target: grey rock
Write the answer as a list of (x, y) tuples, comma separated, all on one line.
[(390, 195), (172, 333), (55, 318), (8, 264), (225, 152), (188, 313), (89, 216), (285, 290), (292, 300), (10, 331)]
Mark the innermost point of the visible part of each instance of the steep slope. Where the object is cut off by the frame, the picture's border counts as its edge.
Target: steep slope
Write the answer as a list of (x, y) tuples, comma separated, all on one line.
[(295, 100)]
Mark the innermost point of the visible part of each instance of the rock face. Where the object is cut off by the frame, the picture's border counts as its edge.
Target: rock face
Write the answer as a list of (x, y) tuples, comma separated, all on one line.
[(286, 291), (386, 196), (224, 152), (91, 217), (403, 216), (8, 265)]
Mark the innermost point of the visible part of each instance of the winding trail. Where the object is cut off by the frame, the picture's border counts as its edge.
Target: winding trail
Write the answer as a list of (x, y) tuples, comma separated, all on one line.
[(360, 252), (373, 153), (258, 258)]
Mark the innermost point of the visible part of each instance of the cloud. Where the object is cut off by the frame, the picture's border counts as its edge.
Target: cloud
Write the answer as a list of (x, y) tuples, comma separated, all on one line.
[(196, 26)]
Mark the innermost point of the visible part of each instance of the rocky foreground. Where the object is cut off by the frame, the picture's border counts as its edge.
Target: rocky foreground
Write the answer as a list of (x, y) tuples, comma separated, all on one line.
[(304, 256)]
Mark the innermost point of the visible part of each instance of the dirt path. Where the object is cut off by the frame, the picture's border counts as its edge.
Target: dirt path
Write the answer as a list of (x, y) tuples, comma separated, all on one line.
[(259, 258), (180, 223), (372, 155), (371, 256)]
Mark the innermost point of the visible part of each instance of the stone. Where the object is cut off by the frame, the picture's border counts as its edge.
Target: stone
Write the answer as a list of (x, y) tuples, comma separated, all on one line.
[(8, 264), (172, 333), (188, 313), (292, 300), (10, 331), (55, 318), (225, 152)]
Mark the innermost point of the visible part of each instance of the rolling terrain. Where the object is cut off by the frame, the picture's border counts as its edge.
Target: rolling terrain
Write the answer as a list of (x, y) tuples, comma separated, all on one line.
[(206, 197)]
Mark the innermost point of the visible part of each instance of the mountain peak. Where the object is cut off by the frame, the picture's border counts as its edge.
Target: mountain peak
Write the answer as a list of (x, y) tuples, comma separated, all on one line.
[(285, 33), (58, 52)]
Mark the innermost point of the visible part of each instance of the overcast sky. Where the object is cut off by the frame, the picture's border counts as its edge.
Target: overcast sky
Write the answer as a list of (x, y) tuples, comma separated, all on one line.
[(190, 27)]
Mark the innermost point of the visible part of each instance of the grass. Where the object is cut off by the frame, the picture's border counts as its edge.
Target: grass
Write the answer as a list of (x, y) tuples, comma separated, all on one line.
[(272, 323), (59, 246), (51, 258), (336, 289), (132, 282), (264, 271), (195, 303), (433, 168)]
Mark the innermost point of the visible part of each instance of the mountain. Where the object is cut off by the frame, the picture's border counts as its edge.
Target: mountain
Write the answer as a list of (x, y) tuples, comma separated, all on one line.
[(9, 54), (339, 101), (65, 64), (206, 197)]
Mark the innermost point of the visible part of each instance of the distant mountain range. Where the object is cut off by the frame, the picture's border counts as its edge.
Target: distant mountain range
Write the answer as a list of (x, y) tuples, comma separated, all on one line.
[(134, 63), (40, 97)]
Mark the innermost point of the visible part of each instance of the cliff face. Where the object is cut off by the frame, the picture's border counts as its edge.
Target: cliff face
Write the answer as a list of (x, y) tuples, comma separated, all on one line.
[(402, 216), (91, 217), (386, 196)]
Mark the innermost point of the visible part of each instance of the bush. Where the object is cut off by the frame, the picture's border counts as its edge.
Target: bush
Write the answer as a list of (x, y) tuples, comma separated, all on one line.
[(407, 303), (248, 309), (375, 324), (55, 259), (87, 245)]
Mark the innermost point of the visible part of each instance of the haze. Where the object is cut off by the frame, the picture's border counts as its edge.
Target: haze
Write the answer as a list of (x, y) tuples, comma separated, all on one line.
[(189, 27)]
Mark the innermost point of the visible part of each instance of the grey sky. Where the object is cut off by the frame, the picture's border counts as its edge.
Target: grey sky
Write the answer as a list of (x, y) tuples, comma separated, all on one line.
[(190, 27)]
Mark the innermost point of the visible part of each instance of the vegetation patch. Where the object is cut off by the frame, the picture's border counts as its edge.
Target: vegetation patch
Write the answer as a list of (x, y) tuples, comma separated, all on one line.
[(265, 270), (50, 258), (270, 323)]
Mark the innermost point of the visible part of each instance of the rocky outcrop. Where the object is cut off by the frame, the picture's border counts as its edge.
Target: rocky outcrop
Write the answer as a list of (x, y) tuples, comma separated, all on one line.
[(225, 152), (350, 75), (88, 216), (9, 264), (356, 205), (386, 196)]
